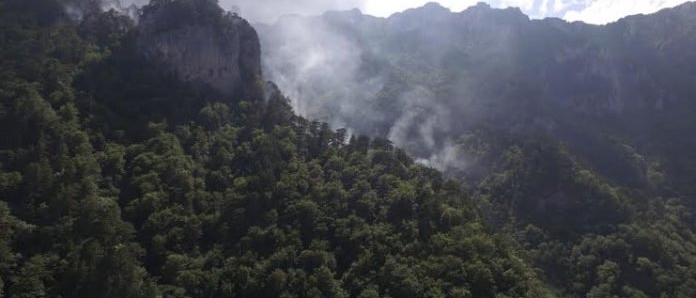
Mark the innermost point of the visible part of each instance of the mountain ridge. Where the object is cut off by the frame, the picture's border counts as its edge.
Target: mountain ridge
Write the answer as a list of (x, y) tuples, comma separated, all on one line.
[(573, 138), (561, 66)]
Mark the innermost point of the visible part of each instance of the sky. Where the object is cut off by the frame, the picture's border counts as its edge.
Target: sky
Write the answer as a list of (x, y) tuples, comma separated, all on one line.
[(589, 11)]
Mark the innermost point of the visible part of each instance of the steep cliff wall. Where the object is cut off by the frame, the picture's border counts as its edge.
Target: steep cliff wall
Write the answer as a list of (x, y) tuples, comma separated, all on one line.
[(200, 43)]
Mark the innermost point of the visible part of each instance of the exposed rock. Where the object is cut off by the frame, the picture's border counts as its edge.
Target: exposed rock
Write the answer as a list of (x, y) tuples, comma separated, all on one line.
[(200, 43)]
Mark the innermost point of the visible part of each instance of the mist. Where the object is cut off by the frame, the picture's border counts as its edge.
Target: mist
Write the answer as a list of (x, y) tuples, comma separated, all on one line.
[(77, 9), (396, 77), (269, 11), (256, 11), (423, 128), (319, 68), (381, 77)]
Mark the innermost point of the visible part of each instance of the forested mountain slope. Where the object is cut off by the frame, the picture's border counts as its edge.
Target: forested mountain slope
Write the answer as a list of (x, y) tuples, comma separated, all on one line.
[(125, 173), (118, 179), (427, 77), (575, 140)]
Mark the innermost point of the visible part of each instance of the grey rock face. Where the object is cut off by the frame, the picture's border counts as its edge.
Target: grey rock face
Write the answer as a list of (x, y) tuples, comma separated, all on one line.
[(199, 43)]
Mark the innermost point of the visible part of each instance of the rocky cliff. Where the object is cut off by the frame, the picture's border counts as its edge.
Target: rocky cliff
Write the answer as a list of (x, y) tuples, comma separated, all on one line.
[(200, 43), (622, 68), (425, 78)]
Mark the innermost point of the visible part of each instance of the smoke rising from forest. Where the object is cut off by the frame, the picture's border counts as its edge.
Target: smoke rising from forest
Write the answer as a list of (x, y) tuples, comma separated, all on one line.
[(319, 69), (76, 9), (326, 72), (332, 73), (265, 11), (339, 68), (422, 127)]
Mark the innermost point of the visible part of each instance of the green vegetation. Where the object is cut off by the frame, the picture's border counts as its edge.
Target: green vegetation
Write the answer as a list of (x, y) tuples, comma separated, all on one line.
[(589, 238), (116, 181), (576, 141)]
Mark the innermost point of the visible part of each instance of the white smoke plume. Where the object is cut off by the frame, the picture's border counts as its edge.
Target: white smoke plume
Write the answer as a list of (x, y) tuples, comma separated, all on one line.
[(423, 129), (77, 9), (320, 63), (318, 68), (326, 66)]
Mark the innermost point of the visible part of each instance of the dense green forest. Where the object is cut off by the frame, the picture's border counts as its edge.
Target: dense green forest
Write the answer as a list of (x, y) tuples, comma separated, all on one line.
[(117, 180), (573, 139)]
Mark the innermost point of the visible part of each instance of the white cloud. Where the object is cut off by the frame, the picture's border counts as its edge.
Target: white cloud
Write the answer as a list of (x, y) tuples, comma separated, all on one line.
[(544, 8), (605, 11), (560, 7), (383, 8), (590, 11), (268, 11), (525, 5)]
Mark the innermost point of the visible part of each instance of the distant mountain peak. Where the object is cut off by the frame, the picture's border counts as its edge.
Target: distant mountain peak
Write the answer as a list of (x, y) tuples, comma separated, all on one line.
[(354, 13), (485, 10), (432, 7), (482, 5), (409, 19)]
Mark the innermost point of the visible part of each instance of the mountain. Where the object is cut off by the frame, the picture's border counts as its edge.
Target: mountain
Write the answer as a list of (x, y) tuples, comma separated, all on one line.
[(128, 170), (575, 140), (483, 66), (149, 158)]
